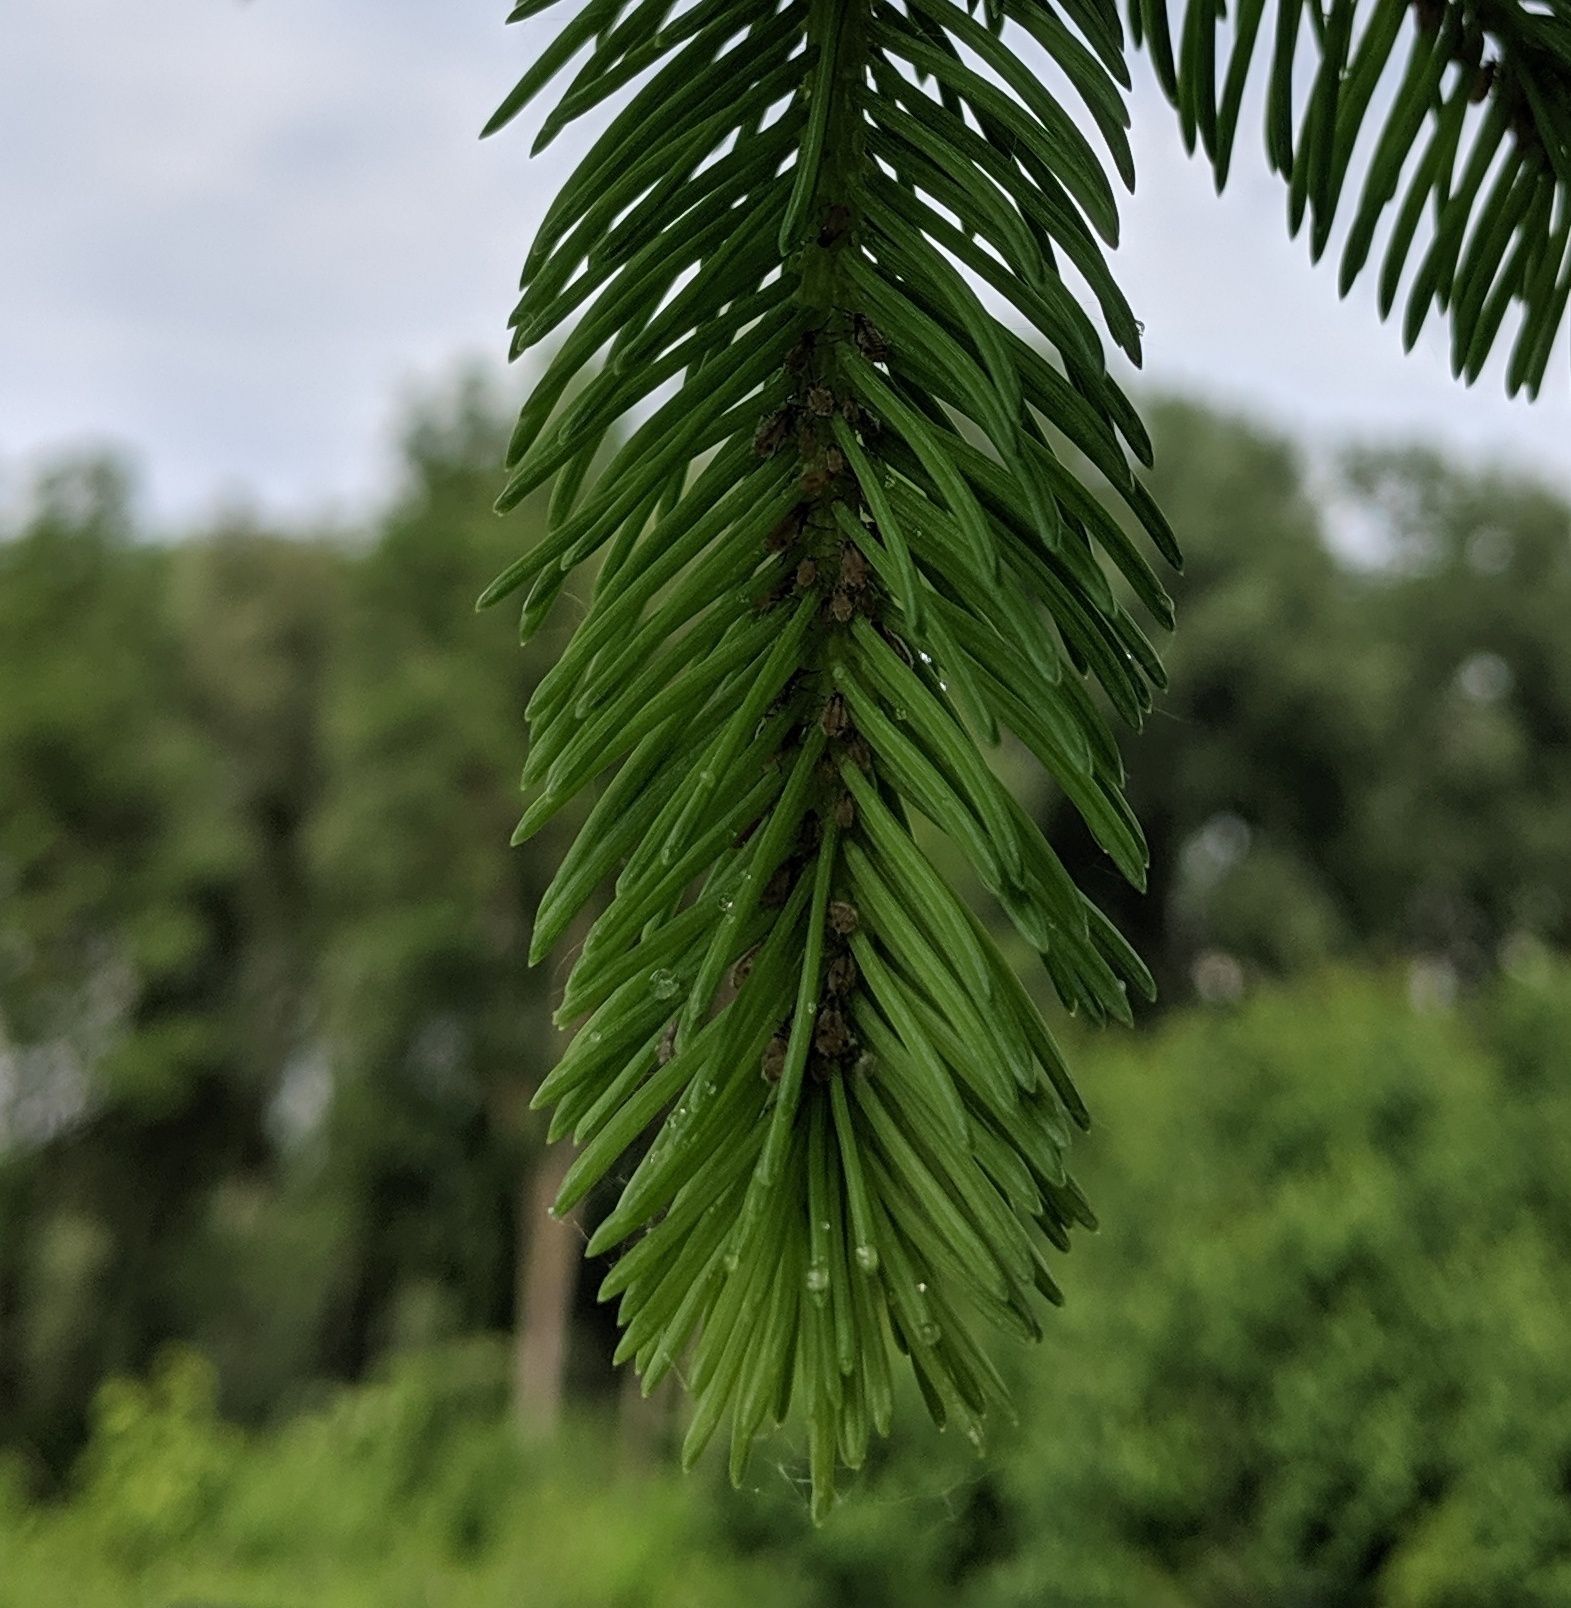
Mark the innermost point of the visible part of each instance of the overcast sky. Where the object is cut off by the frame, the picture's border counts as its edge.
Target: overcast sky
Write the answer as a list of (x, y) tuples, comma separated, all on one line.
[(236, 236)]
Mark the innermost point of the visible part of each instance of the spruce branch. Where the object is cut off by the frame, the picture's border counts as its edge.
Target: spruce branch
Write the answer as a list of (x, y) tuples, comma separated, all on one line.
[(1474, 135), (861, 530)]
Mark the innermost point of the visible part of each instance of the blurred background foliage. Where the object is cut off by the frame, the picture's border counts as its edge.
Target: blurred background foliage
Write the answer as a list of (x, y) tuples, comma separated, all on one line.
[(282, 1321)]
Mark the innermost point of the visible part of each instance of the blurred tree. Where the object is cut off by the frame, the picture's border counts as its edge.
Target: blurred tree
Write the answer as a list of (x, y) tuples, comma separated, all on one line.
[(149, 962), (1364, 746), (1252, 760), (436, 1030), (266, 1040), (1462, 825), (266, 1036), (258, 616)]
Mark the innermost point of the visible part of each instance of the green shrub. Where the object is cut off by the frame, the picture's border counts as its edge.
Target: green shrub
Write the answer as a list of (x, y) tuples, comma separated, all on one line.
[(1318, 1356), (1322, 1353), (411, 1492), (160, 1462)]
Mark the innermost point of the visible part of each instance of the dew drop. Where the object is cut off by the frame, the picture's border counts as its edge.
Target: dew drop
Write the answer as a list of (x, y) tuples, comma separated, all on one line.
[(929, 1334), (817, 1280), (663, 983), (867, 1258), (921, 1289), (731, 1260)]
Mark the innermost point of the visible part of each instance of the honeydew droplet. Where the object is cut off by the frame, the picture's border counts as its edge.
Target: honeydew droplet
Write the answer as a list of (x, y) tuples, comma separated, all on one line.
[(663, 983), (867, 1258), (929, 1334), (817, 1281)]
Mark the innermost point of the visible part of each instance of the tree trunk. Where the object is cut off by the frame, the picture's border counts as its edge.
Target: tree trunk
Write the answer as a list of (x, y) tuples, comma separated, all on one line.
[(548, 1258), (647, 1423)]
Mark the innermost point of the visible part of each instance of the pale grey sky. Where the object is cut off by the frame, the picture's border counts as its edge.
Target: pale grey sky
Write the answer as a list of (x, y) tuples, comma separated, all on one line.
[(237, 235)]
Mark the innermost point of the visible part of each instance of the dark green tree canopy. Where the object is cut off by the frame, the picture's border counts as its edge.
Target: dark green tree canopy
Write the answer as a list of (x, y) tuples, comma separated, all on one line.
[(862, 528)]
